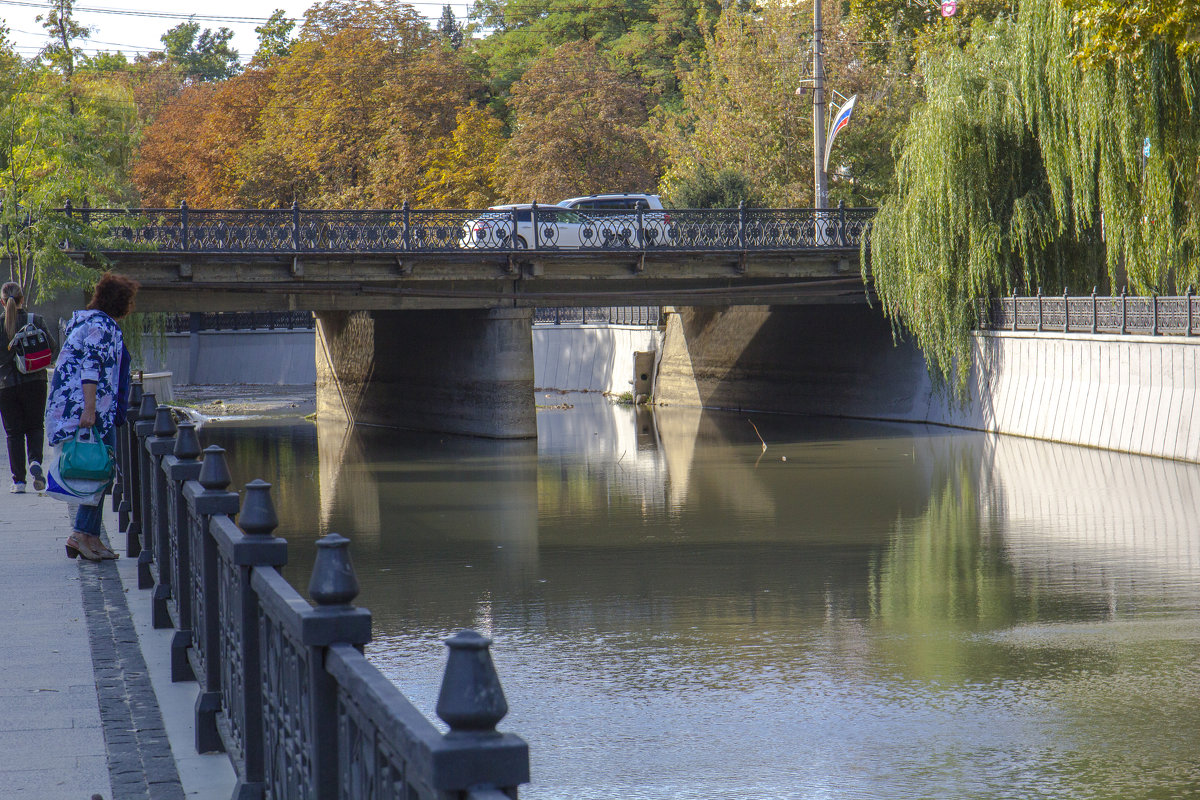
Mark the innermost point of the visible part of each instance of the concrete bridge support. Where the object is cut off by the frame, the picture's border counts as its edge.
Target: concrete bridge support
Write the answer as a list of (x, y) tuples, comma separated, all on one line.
[(835, 359), (458, 371)]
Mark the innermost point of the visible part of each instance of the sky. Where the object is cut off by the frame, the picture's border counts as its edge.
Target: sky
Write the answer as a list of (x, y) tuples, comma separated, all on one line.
[(135, 26)]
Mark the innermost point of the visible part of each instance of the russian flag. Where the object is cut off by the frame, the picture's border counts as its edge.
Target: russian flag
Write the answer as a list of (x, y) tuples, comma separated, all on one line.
[(839, 122)]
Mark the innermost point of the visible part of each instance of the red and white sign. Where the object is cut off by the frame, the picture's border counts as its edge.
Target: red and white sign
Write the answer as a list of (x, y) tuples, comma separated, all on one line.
[(949, 7)]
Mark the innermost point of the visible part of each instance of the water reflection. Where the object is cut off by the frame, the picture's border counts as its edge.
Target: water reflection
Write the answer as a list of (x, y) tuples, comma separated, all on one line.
[(860, 610)]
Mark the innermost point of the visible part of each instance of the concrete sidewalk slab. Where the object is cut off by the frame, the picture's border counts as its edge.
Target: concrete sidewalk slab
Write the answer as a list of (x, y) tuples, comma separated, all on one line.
[(86, 702)]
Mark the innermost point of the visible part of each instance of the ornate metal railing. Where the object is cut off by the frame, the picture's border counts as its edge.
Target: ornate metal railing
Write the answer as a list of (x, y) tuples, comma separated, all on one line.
[(294, 230), (602, 315), (285, 688), (239, 321), (1122, 314)]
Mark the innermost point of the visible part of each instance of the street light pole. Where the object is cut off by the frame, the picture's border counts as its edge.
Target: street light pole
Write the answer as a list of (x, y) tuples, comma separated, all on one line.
[(821, 189)]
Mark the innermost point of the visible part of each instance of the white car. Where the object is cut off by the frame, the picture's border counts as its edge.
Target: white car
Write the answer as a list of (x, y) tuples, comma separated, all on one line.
[(557, 228), (624, 219)]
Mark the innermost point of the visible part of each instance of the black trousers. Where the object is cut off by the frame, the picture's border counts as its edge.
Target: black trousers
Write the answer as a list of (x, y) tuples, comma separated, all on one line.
[(23, 409)]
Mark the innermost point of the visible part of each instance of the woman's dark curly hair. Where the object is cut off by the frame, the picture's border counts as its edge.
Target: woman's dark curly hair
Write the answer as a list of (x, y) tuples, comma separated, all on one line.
[(114, 294)]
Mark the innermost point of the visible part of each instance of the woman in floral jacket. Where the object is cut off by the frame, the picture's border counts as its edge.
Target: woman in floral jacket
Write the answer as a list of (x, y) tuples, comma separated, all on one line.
[(84, 392)]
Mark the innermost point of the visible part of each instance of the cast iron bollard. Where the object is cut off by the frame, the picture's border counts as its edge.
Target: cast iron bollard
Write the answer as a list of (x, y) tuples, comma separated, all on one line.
[(241, 549), (159, 446), (182, 465), (333, 587), (127, 518), (207, 498), (145, 429)]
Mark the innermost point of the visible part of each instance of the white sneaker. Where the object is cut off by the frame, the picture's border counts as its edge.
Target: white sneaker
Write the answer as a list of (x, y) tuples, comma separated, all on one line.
[(18, 488), (39, 478)]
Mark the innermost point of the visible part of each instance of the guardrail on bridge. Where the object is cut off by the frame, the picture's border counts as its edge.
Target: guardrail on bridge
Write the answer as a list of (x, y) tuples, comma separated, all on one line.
[(285, 688), (1121, 314), (292, 231)]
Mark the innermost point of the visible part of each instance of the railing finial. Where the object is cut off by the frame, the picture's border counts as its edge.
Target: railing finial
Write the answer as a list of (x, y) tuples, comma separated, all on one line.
[(333, 581), (214, 473), (471, 700), (258, 517), (187, 443), (148, 408), (164, 422)]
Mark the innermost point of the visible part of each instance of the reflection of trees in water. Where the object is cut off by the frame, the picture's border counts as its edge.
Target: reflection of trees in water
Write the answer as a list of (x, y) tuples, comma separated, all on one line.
[(284, 456)]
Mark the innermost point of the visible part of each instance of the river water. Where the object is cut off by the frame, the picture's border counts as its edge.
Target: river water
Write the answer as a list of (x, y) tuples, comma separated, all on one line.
[(859, 610)]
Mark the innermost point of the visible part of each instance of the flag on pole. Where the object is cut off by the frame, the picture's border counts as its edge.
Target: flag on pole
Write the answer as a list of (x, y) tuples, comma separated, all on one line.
[(839, 122)]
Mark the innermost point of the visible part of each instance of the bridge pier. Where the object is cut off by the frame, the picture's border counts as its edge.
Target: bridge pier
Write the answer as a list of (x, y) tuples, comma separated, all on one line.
[(835, 359), (454, 371)]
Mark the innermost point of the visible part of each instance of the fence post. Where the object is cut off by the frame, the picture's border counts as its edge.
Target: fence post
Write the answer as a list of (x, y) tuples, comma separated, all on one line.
[(1124, 310), (534, 222), (1039, 301), (405, 236), (1014, 316), (183, 466), (1154, 313), (161, 444), (741, 229), (1066, 312), (471, 702), (641, 226), (1189, 311), (296, 226), (1094, 323), (258, 548), (213, 500), (512, 235), (842, 223), (127, 513), (183, 224), (333, 587), (145, 429)]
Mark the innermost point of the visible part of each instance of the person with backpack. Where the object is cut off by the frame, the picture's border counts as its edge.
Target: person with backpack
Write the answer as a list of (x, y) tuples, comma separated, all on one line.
[(28, 352)]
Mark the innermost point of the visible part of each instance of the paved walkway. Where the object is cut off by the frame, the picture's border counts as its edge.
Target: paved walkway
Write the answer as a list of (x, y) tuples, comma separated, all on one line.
[(86, 703)]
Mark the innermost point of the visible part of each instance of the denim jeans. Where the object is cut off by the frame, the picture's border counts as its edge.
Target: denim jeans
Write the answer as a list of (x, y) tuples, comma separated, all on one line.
[(88, 518)]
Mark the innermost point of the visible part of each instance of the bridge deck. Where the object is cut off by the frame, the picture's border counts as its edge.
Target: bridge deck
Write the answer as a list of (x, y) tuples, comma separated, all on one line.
[(324, 260)]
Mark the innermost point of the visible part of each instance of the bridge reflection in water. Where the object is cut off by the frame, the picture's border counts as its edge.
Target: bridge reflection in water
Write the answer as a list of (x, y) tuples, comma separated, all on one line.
[(892, 611)]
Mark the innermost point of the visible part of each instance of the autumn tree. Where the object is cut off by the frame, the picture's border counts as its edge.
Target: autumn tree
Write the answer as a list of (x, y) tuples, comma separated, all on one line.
[(196, 147), (461, 171), (578, 129)]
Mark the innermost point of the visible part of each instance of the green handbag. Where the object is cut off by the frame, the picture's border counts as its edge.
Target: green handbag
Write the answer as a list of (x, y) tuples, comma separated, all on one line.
[(86, 458)]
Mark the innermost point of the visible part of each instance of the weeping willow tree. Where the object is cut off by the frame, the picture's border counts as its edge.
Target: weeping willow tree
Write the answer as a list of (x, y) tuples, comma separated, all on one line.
[(1024, 170)]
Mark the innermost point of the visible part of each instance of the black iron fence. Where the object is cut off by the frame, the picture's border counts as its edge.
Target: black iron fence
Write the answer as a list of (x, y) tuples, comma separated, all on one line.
[(1122, 314), (239, 321), (285, 688), (294, 230), (603, 315)]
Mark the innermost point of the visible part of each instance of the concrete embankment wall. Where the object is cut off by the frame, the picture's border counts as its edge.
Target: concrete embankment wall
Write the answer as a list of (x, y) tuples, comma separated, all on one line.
[(1133, 394), (589, 358), (284, 357)]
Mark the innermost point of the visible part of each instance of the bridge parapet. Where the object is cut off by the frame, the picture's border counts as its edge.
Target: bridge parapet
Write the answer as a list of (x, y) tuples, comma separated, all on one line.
[(407, 230)]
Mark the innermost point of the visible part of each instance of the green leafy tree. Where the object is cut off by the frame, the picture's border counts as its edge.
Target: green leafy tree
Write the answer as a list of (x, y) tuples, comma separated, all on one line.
[(1024, 170), (461, 171), (58, 142), (201, 55), (449, 29), (274, 39), (705, 189)]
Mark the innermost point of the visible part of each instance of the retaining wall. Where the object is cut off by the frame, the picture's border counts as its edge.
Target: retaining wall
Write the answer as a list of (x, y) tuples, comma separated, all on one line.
[(589, 358), (283, 357), (1135, 394)]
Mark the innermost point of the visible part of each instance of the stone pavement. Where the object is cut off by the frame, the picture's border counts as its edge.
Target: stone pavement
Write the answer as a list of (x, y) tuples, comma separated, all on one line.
[(86, 703)]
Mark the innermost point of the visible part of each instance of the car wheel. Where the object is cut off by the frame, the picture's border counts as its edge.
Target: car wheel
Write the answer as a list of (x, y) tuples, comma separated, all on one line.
[(520, 243)]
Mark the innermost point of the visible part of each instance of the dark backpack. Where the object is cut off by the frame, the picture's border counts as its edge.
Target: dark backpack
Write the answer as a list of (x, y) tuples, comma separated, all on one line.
[(30, 348)]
